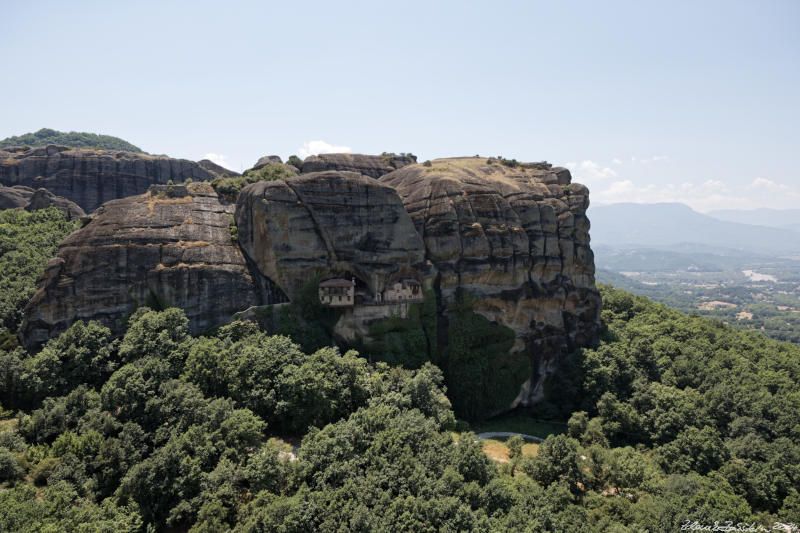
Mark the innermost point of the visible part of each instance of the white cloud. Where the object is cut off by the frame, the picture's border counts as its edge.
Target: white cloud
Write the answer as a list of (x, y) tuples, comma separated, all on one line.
[(704, 196), (321, 147), (767, 185), (638, 184), (218, 159), (589, 171)]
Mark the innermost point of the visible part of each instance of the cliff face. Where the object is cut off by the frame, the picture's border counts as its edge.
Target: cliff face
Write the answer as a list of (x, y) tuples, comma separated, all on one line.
[(327, 224), (92, 177), (514, 238), (517, 239), (171, 246), (21, 197), (373, 166)]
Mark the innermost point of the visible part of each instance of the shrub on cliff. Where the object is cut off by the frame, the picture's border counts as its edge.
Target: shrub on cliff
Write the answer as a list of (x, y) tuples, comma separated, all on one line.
[(229, 187)]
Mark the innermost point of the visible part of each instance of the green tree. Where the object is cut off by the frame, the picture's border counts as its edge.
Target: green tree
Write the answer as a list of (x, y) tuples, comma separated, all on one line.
[(82, 354), (557, 459), (46, 136), (27, 241), (155, 334)]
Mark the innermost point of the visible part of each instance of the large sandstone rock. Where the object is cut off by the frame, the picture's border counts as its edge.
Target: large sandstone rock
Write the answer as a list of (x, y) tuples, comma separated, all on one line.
[(92, 177), (215, 168), (516, 238), (327, 224), (267, 160), (21, 197), (171, 246), (373, 166)]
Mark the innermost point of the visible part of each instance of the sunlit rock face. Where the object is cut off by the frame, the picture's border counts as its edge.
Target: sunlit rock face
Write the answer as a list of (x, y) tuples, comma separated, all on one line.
[(326, 224), (169, 247), (373, 166), (517, 239)]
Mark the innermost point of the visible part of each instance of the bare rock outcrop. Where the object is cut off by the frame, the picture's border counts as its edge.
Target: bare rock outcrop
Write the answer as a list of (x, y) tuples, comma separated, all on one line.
[(92, 177), (373, 166), (219, 170), (171, 246), (21, 197), (516, 238), (327, 223), (267, 160)]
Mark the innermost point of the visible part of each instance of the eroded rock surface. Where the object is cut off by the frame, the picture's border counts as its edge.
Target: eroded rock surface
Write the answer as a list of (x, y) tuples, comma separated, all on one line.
[(171, 246), (216, 169), (373, 166), (267, 160), (92, 177), (516, 238), (21, 197), (327, 224)]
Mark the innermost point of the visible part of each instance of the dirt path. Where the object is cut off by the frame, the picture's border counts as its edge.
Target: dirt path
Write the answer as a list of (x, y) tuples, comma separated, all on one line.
[(503, 434)]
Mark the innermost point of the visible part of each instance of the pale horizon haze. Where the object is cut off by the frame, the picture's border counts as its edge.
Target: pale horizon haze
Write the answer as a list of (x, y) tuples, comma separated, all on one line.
[(692, 102)]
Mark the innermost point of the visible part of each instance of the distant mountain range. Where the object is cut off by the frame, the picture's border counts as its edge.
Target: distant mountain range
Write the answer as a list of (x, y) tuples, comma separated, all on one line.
[(671, 224), (776, 218)]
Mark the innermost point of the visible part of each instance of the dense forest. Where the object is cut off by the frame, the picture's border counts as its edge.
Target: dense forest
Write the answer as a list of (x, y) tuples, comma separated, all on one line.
[(670, 419), (46, 136), (27, 241)]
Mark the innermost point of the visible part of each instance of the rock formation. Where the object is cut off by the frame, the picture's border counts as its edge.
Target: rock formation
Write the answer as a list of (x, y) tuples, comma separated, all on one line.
[(21, 197), (513, 236), (324, 224), (171, 246), (516, 238), (373, 166), (267, 160), (92, 177), (214, 168)]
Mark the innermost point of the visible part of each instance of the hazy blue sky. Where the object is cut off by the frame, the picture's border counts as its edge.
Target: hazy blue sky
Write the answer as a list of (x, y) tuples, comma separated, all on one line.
[(645, 101)]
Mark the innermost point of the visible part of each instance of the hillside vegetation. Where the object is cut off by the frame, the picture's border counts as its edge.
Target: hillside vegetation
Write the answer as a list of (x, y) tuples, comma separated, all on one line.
[(46, 136), (671, 418), (27, 241)]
